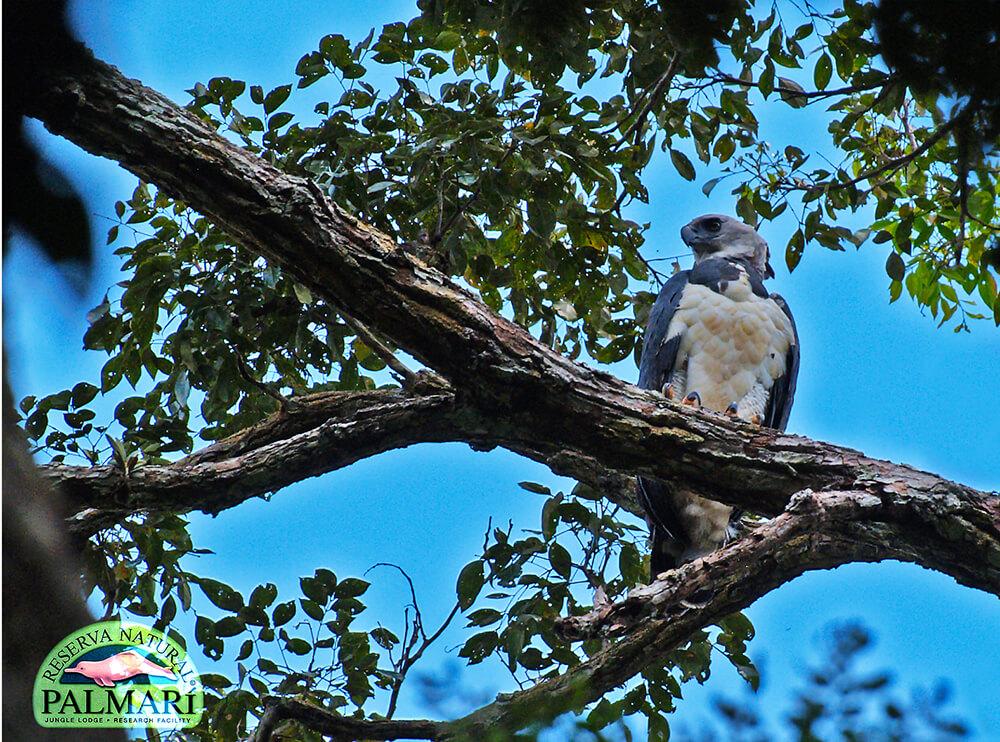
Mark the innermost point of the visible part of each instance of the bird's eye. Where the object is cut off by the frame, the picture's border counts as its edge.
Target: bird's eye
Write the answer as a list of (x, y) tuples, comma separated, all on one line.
[(713, 225)]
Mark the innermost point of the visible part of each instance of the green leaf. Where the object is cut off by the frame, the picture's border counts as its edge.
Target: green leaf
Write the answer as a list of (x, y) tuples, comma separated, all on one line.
[(823, 72), (229, 626), (794, 249), (283, 613), (682, 164), (384, 638), (560, 560), (83, 393), (538, 489), (276, 97), (380, 186), (99, 311), (470, 583), (352, 587), (263, 595), (795, 101), (221, 595), (550, 516), (278, 120), (313, 589), (298, 646), (214, 681), (446, 41), (246, 649), (484, 617), (479, 647), (710, 186), (895, 267), (312, 609), (749, 673)]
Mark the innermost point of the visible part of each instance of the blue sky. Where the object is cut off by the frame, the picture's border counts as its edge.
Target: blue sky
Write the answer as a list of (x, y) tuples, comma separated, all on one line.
[(875, 377)]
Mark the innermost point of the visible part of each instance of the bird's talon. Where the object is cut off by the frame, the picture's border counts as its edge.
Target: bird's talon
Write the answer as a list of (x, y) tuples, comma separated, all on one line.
[(693, 400)]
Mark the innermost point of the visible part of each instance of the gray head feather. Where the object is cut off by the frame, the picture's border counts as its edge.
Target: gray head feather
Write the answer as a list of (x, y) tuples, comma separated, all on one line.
[(717, 236)]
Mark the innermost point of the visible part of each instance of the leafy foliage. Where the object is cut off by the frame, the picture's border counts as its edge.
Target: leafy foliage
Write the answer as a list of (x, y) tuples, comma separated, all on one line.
[(502, 143)]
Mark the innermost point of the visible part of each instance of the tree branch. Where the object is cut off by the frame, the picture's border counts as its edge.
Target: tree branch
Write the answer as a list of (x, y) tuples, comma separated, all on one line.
[(656, 93), (522, 394), (342, 727), (320, 433), (513, 391), (807, 94), (889, 166), (955, 534)]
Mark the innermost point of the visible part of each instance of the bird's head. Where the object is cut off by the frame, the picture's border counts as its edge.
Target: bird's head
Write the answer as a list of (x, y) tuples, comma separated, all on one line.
[(720, 236)]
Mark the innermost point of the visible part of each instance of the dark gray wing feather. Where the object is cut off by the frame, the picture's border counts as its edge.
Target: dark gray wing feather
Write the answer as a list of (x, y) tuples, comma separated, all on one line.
[(779, 402), (659, 355)]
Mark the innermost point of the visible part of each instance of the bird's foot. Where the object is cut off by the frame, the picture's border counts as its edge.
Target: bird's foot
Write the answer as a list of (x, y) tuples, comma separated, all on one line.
[(733, 410), (693, 400), (668, 391)]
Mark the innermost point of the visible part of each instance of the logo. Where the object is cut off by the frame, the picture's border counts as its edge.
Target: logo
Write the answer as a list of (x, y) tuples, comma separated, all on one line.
[(113, 674)]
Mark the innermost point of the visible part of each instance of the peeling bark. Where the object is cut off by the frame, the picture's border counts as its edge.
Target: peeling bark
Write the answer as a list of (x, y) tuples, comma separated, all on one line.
[(320, 433), (507, 390), (542, 404), (955, 534)]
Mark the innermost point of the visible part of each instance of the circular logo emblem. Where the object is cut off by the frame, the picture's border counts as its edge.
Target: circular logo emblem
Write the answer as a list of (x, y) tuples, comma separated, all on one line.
[(115, 674)]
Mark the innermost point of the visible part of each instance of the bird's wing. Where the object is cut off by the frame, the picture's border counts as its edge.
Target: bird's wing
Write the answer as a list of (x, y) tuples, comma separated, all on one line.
[(782, 393), (659, 353)]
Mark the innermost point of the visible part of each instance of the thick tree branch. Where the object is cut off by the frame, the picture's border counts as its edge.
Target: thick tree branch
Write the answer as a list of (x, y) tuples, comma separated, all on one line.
[(320, 433), (342, 727), (512, 391), (526, 397), (955, 534)]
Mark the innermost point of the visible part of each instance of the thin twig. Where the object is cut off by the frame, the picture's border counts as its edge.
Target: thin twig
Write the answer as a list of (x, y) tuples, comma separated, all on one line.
[(963, 192), (793, 93), (411, 652), (247, 373), (657, 276), (661, 85), (891, 165), (406, 374)]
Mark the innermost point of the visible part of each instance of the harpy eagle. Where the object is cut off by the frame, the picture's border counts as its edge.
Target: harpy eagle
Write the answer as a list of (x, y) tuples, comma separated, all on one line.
[(716, 339)]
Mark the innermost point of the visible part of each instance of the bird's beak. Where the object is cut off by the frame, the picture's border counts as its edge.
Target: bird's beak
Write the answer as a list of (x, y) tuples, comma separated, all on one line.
[(687, 234)]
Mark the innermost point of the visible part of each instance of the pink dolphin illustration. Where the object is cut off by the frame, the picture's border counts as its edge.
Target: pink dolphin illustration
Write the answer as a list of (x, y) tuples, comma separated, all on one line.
[(118, 667)]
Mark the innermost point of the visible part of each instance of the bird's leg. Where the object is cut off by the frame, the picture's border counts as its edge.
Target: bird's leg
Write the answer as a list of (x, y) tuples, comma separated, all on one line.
[(693, 400), (668, 391), (733, 410)]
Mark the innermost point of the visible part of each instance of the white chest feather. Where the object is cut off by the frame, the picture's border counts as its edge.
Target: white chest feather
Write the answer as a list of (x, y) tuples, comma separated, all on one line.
[(733, 346)]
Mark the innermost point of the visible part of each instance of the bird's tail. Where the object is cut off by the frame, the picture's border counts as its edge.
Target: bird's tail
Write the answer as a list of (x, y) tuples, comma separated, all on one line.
[(664, 554), (665, 530)]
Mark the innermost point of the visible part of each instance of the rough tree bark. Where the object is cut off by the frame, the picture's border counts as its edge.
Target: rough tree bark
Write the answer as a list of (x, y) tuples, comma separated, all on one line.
[(504, 389)]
